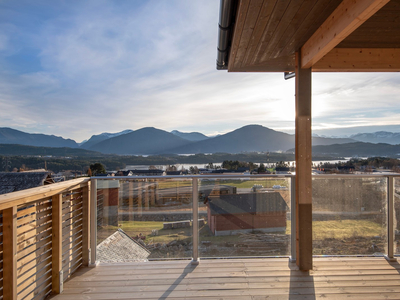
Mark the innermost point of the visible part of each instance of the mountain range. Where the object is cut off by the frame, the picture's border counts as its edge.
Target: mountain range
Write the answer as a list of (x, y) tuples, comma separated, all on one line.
[(150, 141)]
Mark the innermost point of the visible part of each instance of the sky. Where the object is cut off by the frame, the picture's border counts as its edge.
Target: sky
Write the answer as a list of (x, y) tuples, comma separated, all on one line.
[(77, 68)]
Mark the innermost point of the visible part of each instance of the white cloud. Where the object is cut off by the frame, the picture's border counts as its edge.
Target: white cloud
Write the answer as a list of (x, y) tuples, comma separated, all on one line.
[(108, 66)]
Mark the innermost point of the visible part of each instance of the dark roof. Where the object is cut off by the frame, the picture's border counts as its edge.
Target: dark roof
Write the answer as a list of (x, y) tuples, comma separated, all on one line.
[(174, 172), (246, 203), (146, 171), (120, 247), (18, 181), (124, 173)]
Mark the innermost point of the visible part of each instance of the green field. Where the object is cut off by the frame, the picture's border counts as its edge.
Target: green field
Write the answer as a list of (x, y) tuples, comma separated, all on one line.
[(333, 229)]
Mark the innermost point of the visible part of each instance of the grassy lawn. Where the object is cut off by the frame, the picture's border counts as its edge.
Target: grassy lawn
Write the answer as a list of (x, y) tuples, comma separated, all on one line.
[(164, 235), (346, 229), (267, 183), (336, 229)]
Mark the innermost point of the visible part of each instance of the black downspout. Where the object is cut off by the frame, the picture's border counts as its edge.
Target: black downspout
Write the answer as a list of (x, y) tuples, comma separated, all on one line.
[(226, 21)]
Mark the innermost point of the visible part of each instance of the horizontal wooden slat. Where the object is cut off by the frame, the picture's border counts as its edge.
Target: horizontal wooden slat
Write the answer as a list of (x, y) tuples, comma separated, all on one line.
[(72, 244), (70, 208), (34, 194), (73, 218), (35, 264), (33, 233), (41, 285), (33, 218), (33, 240), (34, 247), (77, 212), (33, 209), (26, 279), (29, 258), (33, 225), (74, 233), (71, 202), (70, 260), (66, 231)]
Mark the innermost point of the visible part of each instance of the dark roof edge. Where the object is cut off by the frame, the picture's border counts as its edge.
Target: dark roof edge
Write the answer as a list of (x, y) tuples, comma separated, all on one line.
[(227, 16)]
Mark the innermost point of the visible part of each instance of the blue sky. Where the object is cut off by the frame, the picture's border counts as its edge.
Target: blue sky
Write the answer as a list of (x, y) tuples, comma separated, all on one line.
[(77, 68)]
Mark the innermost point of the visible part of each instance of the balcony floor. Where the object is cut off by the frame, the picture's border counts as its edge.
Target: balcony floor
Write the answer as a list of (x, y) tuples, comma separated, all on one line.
[(332, 278)]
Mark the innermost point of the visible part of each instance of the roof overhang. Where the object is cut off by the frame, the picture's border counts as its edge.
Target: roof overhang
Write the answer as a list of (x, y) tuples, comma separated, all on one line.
[(331, 35)]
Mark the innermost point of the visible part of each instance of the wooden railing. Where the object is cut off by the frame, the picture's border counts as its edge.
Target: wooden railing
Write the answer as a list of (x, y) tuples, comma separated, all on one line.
[(45, 238)]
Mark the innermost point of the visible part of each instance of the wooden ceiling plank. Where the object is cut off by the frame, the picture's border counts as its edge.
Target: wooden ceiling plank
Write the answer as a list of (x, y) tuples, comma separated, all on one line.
[(273, 23), (346, 18), (239, 24), (250, 20), (360, 60), (262, 22), (317, 15), (287, 21), (307, 8)]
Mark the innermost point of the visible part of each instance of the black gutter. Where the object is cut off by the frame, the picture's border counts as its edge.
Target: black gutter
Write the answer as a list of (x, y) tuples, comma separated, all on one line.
[(227, 13)]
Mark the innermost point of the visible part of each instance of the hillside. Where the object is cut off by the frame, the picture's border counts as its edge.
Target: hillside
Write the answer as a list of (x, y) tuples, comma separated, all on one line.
[(250, 138), (190, 136), (24, 150), (12, 136), (385, 137), (146, 141), (357, 149), (94, 139)]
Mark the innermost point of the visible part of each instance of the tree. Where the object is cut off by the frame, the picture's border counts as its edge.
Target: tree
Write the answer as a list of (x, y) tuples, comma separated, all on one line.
[(194, 170), (171, 168), (261, 168), (97, 168)]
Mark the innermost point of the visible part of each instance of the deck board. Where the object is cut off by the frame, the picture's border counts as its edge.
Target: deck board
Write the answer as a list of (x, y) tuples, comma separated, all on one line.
[(255, 279)]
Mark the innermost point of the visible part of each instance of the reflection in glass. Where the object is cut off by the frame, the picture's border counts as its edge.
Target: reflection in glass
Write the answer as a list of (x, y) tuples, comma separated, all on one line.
[(141, 219), (244, 217)]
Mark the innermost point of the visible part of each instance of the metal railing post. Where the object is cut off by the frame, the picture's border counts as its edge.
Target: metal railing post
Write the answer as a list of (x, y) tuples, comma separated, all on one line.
[(292, 219), (390, 218), (93, 222), (195, 226)]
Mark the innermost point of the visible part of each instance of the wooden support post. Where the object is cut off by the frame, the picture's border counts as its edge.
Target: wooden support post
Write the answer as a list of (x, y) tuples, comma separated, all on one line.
[(93, 221), (130, 201), (140, 204), (390, 219), (57, 277), (86, 225), (152, 196), (303, 167), (10, 253), (146, 196)]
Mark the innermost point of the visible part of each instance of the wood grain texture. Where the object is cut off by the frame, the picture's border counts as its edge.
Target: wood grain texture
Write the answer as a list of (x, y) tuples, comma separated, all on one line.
[(346, 18), (10, 253), (359, 60), (237, 279)]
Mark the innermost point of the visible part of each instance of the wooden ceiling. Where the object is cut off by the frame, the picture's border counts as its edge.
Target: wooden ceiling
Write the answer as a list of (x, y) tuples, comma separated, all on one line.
[(333, 35)]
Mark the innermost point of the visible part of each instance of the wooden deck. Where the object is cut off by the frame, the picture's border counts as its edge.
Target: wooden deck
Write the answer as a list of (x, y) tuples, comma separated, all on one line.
[(332, 278)]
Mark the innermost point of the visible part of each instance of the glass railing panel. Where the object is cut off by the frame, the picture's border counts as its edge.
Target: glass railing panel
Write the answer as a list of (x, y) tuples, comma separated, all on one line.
[(397, 215), (140, 219), (243, 217), (349, 216)]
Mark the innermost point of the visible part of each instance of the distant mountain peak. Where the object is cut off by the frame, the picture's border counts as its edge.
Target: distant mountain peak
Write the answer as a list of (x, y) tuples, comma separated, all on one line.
[(190, 136)]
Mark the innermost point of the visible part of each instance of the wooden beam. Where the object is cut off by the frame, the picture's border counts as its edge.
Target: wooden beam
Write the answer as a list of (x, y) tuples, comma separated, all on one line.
[(41, 192), (359, 60), (57, 277), (86, 225), (303, 167), (10, 253), (346, 18)]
